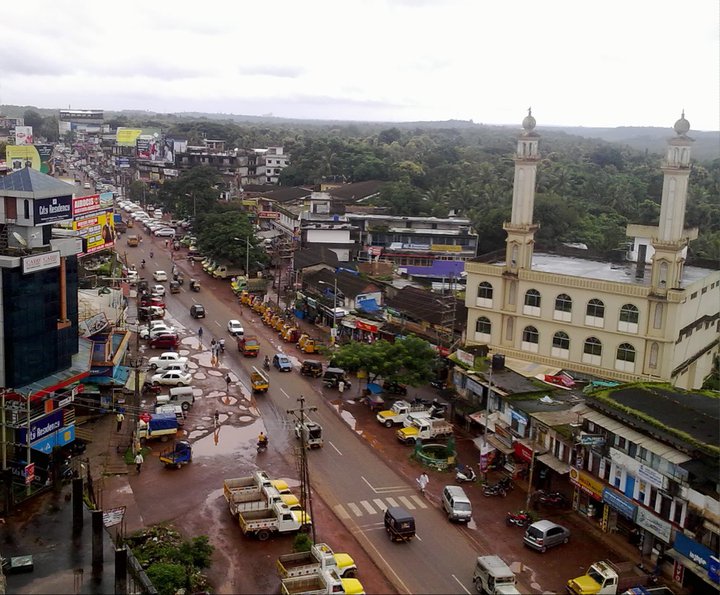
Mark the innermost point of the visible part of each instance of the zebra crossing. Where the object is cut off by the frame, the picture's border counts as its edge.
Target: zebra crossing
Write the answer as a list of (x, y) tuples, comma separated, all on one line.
[(377, 506)]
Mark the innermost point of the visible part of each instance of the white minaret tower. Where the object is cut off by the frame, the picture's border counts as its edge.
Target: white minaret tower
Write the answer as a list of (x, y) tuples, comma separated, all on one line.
[(672, 237), (521, 229)]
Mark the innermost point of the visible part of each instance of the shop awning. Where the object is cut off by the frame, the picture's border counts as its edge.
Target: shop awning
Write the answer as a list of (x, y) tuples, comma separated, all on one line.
[(554, 464), (479, 418), (482, 445), (374, 388), (500, 445)]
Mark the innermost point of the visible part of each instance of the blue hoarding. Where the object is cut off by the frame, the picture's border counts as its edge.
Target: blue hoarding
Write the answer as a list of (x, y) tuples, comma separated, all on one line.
[(620, 503)]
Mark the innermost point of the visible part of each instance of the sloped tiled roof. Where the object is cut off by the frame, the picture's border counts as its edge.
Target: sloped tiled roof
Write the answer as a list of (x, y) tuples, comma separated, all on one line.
[(30, 183), (356, 191), (313, 255), (287, 194), (348, 284), (421, 304)]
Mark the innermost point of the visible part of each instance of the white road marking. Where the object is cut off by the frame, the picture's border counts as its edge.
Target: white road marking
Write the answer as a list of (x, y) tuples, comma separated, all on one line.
[(355, 510), (282, 390), (406, 502), (341, 512), (367, 506), (419, 501), (216, 322), (380, 504), (392, 502), (335, 447), (459, 583), (418, 537), (384, 490)]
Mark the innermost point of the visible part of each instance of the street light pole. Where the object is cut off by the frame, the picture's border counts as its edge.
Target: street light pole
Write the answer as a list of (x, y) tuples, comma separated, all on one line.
[(247, 255)]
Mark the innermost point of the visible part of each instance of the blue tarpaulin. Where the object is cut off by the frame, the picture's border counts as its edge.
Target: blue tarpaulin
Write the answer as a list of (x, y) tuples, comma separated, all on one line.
[(374, 388), (368, 305)]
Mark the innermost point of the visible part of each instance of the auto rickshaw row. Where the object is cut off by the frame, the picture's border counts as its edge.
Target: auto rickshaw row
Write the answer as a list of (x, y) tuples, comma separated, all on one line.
[(286, 329)]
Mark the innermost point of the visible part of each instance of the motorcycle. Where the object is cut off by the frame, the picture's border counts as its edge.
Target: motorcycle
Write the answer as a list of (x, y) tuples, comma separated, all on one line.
[(262, 445), (222, 345), (266, 364), (521, 518), (506, 483), (556, 499), (465, 473), (494, 489), (142, 264)]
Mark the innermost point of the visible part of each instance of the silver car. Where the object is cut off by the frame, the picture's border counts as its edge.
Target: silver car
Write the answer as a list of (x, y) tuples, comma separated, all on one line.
[(545, 534)]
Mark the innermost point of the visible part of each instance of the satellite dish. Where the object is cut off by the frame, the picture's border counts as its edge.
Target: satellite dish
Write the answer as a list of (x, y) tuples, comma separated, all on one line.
[(20, 240)]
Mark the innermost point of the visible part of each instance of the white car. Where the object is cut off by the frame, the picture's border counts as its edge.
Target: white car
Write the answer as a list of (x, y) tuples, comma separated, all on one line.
[(160, 276), (160, 362), (165, 232), (158, 290), (172, 378), (155, 330), (235, 328)]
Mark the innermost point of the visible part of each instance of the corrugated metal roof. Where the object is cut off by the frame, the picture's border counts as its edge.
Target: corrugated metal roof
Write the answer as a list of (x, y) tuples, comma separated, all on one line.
[(30, 181)]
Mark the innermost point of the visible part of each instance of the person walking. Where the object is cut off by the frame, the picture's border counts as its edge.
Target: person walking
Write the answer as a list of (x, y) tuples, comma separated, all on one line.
[(341, 386), (139, 460), (423, 481), (120, 418), (227, 382), (200, 331)]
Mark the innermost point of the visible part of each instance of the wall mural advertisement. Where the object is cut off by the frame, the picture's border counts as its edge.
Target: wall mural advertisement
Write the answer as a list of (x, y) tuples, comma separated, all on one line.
[(97, 229)]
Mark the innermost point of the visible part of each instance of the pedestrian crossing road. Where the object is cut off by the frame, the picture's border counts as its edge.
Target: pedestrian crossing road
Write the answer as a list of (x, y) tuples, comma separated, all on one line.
[(377, 506)]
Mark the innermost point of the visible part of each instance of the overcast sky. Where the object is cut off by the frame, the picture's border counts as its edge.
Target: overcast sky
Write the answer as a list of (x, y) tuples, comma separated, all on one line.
[(576, 62)]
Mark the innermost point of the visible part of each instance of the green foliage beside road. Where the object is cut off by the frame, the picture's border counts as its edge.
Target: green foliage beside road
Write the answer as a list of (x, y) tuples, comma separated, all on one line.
[(408, 361)]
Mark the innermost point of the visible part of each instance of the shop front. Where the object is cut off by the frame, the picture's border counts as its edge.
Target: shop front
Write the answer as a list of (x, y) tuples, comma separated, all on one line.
[(619, 512), (588, 493), (695, 566)]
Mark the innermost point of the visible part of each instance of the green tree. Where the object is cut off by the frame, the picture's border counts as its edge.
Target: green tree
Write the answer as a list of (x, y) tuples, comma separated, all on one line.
[(216, 235), (168, 577), (33, 118), (409, 361)]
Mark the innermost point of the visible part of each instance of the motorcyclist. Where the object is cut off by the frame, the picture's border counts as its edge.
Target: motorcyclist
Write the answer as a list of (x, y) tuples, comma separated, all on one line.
[(142, 264), (151, 254), (266, 363), (222, 345), (262, 441)]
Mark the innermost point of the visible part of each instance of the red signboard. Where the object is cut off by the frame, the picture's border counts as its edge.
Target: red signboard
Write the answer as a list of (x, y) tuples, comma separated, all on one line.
[(523, 451), (678, 572), (29, 473), (370, 328), (85, 204), (269, 215)]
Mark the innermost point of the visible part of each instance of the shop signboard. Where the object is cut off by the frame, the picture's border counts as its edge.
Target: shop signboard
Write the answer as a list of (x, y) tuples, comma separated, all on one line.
[(465, 358), (42, 427), (29, 473), (701, 555), (85, 204), (40, 262), (587, 483), (620, 503), (523, 451), (652, 477), (52, 210), (269, 215), (474, 387), (653, 523), (363, 326)]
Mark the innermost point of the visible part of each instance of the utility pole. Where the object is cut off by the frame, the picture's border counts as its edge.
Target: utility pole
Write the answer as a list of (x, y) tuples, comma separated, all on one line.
[(305, 493)]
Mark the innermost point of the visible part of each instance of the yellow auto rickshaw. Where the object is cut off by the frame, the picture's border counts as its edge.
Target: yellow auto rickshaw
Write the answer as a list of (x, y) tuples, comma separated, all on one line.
[(245, 298), (258, 381), (279, 323)]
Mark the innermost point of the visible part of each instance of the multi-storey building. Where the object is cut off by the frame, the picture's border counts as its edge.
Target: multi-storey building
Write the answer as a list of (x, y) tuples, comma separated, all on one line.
[(591, 316)]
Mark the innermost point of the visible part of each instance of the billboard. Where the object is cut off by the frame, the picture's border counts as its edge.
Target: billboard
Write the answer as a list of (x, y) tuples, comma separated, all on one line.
[(36, 156), (23, 135), (98, 230), (52, 210), (82, 205), (149, 148), (126, 137)]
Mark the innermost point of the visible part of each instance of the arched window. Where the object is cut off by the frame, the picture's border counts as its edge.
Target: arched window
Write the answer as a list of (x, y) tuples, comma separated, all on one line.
[(629, 316), (563, 308), (484, 295), (561, 345), (483, 327), (625, 358), (663, 274), (530, 339), (532, 302), (595, 313), (592, 351)]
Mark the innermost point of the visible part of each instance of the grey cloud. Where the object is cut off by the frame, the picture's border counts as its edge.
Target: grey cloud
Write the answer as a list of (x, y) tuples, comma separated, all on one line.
[(28, 62)]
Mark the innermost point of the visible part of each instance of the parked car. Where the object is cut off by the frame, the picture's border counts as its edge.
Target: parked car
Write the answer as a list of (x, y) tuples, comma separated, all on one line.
[(545, 534), (282, 362), (164, 232), (172, 378), (165, 341), (235, 328), (160, 276), (154, 332), (160, 362)]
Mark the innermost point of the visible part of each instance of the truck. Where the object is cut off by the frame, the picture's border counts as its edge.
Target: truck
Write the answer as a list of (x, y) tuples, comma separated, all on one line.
[(225, 270), (120, 225), (310, 432), (425, 429), (493, 576), (259, 499), (161, 425), (253, 482), (319, 558), (608, 578), (248, 345), (398, 412), (277, 518), (253, 285), (324, 582)]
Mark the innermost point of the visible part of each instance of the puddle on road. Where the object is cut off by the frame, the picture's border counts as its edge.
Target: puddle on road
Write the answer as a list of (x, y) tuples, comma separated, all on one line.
[(199, 376), (204, 359), (471, 524), (213, 372), (228, 439)]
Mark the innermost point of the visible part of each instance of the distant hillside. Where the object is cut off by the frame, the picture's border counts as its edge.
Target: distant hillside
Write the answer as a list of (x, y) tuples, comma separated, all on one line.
[(651, 139)]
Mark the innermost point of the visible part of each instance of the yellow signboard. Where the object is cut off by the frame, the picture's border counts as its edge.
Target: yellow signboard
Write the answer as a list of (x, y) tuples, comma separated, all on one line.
[(586, 483), (445, 248), (19, 155), (98, 229), (126, 137)]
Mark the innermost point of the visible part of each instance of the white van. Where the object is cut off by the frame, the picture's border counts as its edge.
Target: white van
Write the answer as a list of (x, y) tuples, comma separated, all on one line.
[(158, 214), (456, 504)]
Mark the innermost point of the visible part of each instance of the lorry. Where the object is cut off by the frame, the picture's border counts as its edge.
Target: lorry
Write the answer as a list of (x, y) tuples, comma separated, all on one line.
[(399, 412), (253, 482), (248, 345), (252, 285), (120, 225), (259, 499), (225, 270), (319, 558), (161, 425), (310, 432), (324, 582), (276, 518), (608, 578), (425, 429), (493, 576)]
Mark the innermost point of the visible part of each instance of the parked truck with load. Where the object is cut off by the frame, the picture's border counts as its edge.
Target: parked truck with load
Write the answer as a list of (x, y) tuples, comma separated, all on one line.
[(400, 410), (319, 558), (120, 225), (253, 483), (325, 582), (161, 425), (248, 345), (260, 499), (278, 518), (252, 285), (225, 270), (608, 578), (425, 429)]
